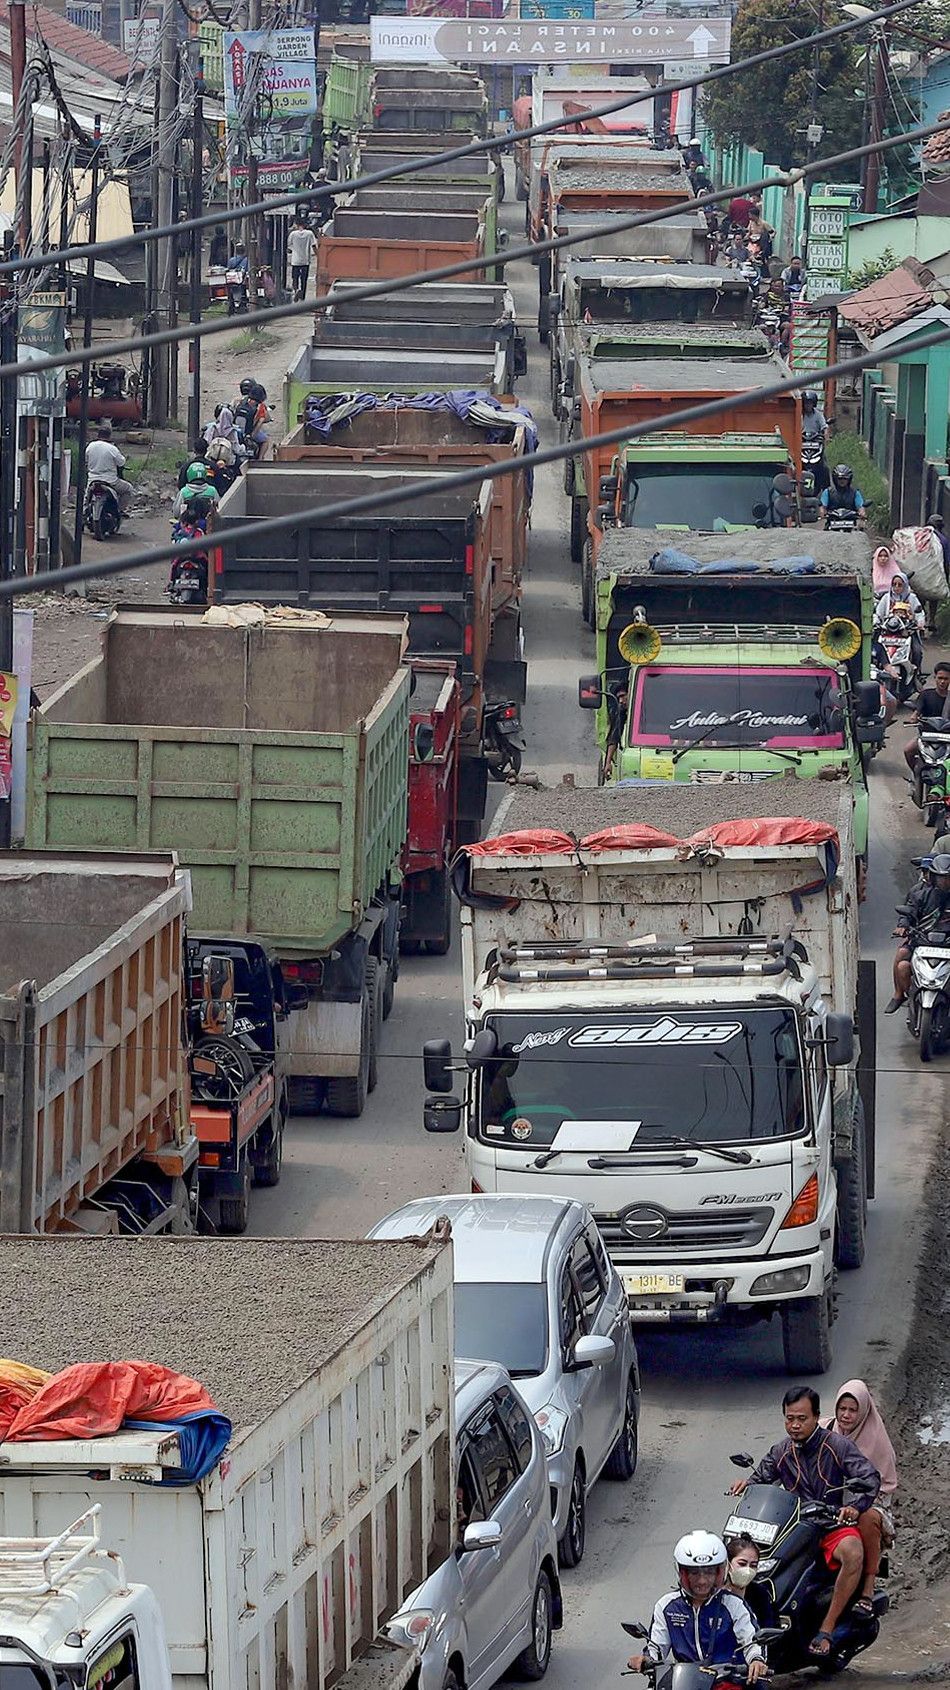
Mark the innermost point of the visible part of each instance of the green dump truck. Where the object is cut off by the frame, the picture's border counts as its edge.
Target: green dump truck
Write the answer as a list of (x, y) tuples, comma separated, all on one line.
[(273, 759), (755, 669)]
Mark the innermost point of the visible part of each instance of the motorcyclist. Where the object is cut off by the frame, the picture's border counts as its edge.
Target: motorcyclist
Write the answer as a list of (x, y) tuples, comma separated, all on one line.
[(238, 264), (104, 462), (931, 703), (842, 495), (251, 412), (699, 1621), (899, 600), (815, 427), (928, 900), (819, 1465), (198, 492)]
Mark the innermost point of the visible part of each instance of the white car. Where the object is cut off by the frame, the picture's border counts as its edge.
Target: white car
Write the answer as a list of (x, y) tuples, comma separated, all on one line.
[(536, 1291), (495, 1603)]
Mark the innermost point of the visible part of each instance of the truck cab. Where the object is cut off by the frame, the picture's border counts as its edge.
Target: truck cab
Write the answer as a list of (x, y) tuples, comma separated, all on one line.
[(679, 483)]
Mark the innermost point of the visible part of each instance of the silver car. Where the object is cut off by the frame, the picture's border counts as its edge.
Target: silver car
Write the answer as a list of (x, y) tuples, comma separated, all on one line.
[(535, 1290), (495, 1603)]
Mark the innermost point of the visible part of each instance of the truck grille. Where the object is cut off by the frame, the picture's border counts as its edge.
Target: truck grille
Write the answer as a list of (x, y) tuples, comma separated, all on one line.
[(644, 1230)]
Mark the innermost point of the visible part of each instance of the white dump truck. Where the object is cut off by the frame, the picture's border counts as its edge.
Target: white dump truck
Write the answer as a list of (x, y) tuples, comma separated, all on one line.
[(666, 1018), (333, 1501)]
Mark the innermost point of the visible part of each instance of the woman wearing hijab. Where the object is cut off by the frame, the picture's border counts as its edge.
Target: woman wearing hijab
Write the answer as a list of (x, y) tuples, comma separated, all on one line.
[(884, 567), (857, 1417)]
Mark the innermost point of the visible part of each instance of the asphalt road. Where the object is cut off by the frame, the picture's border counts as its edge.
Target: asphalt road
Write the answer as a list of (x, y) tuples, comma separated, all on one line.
[(705, 1394)]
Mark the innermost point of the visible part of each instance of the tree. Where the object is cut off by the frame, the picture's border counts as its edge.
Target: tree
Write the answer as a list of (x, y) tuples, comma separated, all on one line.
[(770, 108)]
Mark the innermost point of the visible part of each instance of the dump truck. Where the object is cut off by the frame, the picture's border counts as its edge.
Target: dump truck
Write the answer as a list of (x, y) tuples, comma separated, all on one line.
[(376, 244), (91, 997), (606, 393), (599, 182), (275, 766), (434, 200), (333, 1501), (565, 95), (462, 303), (374, 152), (325, 369), (434, 736), (741, 674), (427, 558), (660, 1024), (428, 98)]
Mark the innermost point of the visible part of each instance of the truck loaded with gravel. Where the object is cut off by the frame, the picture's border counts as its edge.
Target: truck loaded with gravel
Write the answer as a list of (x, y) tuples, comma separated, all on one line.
[(131, 1558), (272, 757), (666, 1018)]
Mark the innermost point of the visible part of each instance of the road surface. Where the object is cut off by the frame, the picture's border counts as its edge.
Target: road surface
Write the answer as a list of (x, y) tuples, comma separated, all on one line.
[(705, 1394)]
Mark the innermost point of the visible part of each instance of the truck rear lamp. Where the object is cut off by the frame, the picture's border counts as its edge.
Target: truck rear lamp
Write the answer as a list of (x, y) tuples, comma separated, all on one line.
[(804, 1210), (431, 609), (470, 560), (303, 973), (476, 1189), (468, 641), (783, 1280)]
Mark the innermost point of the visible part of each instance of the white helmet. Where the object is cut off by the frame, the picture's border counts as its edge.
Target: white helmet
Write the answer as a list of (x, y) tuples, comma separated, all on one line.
[(699, 1551)]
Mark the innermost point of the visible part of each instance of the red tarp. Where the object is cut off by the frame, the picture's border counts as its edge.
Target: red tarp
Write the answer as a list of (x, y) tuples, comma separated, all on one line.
[(92, 1398), (766, 831)]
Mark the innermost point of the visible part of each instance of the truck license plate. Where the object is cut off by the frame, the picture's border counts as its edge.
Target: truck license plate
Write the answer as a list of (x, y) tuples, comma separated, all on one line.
[(652, 1284)]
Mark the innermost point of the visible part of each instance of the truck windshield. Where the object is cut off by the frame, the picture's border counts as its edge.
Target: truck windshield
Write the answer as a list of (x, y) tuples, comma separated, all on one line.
[(519, 1342), (615, 1080), (684, 494), (744, 707)]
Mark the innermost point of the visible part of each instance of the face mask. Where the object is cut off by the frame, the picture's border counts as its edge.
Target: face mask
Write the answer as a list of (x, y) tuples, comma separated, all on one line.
[(741, 1576)]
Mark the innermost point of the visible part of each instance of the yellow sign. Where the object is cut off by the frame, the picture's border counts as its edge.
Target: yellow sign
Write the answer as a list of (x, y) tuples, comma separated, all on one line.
[(657, 765), (7, 703)]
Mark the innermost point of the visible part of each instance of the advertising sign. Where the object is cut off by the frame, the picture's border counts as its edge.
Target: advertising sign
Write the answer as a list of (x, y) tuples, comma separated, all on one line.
[(642, 39), (287, 78), (8, 698)]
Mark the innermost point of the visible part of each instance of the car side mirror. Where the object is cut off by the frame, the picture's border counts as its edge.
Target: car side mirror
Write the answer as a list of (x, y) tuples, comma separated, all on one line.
[(442, 1114), (436, 1064), (839, 1041), (742, 1460), (592, 1352), (481, 1534), (590, 693)]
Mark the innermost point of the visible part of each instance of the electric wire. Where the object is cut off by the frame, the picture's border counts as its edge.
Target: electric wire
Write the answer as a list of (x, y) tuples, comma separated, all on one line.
[(493, 143), (259, 529)]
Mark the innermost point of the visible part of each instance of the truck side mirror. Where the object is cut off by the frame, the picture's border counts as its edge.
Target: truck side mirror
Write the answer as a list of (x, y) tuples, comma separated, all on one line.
[(483, 1048), (519, 356), (436, 1064), (608, 486), (442, 1114), (760, 512), (590, 693), (839, 1041), (605, 514), (423, 742)]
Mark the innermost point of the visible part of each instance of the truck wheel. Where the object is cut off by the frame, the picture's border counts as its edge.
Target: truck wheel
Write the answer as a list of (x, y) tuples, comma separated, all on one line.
[(806, 1335), (578, 529), (521, 186), (306, 1096), (587, 584), (182, 1223), (853, 1197), (441, 945), (234, 1211), (347, 1095), (568, 475), (387, 971), (374, 992), (267, 1167)]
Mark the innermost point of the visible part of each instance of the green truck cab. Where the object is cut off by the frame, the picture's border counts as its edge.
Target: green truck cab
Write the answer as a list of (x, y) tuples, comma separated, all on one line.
[(684, 482), (755, 671)]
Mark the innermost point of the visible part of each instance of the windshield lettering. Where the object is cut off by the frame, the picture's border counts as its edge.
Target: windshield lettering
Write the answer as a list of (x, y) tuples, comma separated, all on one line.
[(534, 1041), (739, 718), (660, 1033)]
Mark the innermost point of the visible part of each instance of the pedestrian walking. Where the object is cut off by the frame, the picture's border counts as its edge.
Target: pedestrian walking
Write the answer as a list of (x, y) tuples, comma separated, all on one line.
[(301, 246)]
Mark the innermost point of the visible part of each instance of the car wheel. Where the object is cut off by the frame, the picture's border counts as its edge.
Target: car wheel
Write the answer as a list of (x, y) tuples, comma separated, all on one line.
[(532, 1663), (450, 1681), (570, 1549), (621, 1463)]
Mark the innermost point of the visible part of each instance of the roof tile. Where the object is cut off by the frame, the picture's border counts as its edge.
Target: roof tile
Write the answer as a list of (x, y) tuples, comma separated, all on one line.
[(66, 39)]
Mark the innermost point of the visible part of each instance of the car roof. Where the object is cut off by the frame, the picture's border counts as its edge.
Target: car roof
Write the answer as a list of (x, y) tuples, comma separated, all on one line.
[(474, 1381), (500, 1240)]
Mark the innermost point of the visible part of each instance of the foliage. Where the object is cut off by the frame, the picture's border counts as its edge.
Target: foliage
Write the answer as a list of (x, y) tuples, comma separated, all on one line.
[(769, 108), (850, 449), (873, 270)]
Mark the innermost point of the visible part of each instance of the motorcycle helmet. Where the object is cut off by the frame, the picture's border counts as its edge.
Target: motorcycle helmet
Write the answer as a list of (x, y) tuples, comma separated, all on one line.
[(901, 610), (940, 870), (810, 397), (246, 386), (895, 622), (842, 475), (701, 1552), (196, 472)]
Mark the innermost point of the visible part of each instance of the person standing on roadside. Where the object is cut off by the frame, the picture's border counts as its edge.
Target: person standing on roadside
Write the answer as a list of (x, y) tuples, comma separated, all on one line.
[(301, 246)]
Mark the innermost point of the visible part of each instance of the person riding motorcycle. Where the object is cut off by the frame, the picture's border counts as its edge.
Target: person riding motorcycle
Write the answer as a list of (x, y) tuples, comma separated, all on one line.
[(842, 495), (815, 428), (928, 900), (198, 490), (251, 413), (899, 600), (699, 1621)]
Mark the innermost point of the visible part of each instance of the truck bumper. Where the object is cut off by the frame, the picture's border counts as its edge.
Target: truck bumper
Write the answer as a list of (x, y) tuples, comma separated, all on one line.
[(705, 1293)]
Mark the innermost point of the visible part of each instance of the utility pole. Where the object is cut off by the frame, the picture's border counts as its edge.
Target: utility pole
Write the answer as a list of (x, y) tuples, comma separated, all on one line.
[(167, 279), (87, 341), (872, 180), (194, 346), (8, 411), (252, 229), (22, 163)]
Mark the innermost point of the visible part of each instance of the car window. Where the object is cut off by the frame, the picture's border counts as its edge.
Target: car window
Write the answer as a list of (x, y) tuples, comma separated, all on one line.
[(516, 1424), (569, 1316), (468, 1501), (600, 1255), (492, 1455), (587, 1275)]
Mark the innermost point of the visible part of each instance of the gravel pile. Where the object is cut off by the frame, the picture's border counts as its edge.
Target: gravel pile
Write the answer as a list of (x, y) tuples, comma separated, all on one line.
[(251, 1319), (617, 180), (732, 340), (674, 807)]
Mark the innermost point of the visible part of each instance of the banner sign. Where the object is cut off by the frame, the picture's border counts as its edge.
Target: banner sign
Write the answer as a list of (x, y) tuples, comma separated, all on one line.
[(8, 697), (288, 70), (645, 39)]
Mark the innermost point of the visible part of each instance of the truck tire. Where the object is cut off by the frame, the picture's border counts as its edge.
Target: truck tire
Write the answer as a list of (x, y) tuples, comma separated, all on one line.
[(306, 1094), (374, 992), (388, 972), (587, 583), (182, 1223), (267, 1167), (521, 186), (442, 944), (234, 1211), (234, 1063), (346, 1095), (853, 1197), (579, 534), (806, 1335)]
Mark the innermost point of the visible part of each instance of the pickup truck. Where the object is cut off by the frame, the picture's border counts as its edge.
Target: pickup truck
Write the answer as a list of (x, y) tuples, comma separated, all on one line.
[(739, 674), (660, 1023), (333, 1501), (272, 758)]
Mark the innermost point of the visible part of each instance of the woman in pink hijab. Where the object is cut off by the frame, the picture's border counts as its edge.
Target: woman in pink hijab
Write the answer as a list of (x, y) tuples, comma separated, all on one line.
[(857, 1417), (884, 567)]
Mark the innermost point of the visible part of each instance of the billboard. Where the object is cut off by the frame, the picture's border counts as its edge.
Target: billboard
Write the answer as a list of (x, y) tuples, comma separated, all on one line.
[(644, 39), (271, 99)]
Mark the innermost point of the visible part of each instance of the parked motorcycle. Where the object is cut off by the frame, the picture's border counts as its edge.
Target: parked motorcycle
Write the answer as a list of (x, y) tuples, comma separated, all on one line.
[(896, 651), (928, 1001), (792, 1587), (501, 735), (102, 512)]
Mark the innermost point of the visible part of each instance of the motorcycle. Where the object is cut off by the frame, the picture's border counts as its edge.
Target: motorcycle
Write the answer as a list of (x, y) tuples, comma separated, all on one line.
[(102, 513), (928, 1001), (691, 1675), (188, 580), (896, 652), (501, 735), (235, 282), (792, 1587), (813, 457), (840, 521), (931, 774)]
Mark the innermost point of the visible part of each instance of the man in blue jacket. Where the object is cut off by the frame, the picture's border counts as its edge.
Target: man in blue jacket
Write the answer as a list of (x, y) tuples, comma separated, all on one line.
[(699, 1621)]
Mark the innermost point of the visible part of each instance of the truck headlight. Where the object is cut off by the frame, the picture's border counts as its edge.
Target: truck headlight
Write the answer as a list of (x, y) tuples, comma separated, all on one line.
[(784, 1279), (551, 1422)]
